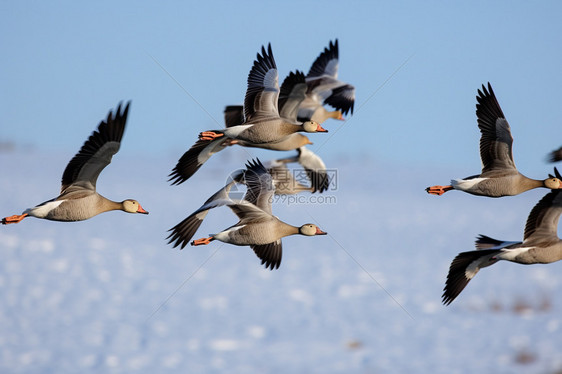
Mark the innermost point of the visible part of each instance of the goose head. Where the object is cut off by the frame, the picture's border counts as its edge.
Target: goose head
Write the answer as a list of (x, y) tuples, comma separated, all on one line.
[(310, 229), (133, 206), (554, 182), (313, 126)]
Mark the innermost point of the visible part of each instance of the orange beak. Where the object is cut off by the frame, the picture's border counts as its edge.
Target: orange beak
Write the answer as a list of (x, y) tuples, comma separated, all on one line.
[(321, 129), (141, 210), (320, 232)]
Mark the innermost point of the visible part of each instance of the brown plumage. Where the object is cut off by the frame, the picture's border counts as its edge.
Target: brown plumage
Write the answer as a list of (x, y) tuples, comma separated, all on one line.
[(257, 227), (499, 175), (540, 245), (78, 199), (262, 125)]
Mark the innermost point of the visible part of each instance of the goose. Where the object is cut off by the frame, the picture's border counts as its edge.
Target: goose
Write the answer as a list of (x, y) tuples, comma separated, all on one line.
[(555, 155), (291, 94), (257, 227), (499, 175), (314, 167), (78, 199), (323, 87), (262, 127), (540, 245), (283, 181)]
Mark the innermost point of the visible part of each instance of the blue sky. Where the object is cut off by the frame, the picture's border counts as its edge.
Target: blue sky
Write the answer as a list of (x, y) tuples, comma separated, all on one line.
[(416, 67)]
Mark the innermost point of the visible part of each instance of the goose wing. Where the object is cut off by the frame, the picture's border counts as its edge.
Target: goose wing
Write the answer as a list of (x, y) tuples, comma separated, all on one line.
[(291, 95), (496, 141), (463, 268), (315, 169), (555, 155), (269, 254), (194, 158), (96, 153), (542, 223), (182, 233), (322, 79), (262, 94), (260, 186)]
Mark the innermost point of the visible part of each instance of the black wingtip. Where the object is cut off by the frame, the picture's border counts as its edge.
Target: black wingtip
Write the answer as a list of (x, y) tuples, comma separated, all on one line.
[(555, 155), (556, 174), (255, 165)]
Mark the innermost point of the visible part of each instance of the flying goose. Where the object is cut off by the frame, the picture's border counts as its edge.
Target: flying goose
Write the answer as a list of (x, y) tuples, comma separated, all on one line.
[(323, 87), (283, 181), (262, 125), (78, 199), (540, 245), (499, 175), (257, 227), (291, 94)]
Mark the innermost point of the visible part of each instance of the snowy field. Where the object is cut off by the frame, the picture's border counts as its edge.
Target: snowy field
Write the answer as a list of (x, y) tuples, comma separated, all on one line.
[(109, 295)]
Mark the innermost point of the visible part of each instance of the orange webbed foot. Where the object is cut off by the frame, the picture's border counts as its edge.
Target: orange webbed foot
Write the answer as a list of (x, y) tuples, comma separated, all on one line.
[(13, 219), (202, 241), (209, 135), (438, 190)]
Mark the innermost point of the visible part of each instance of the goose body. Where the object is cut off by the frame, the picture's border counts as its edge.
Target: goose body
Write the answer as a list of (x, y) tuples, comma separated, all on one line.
[(79, 199), (257, 227), (540, 245), (499, 176), (262, 124), (291, 94)]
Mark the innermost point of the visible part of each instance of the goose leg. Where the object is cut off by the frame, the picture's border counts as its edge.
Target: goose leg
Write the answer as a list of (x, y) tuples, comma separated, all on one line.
[(209, 135), (438, 190), (13, 219), (203, 241)]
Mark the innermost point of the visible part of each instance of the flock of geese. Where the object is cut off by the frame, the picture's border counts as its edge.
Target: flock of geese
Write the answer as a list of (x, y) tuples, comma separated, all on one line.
[(276, 118), (272, 117), (500, 177)]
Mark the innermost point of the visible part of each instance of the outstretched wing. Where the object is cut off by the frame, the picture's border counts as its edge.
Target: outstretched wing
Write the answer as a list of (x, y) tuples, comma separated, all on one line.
[(463, 268), (263, 88), (496, 140), (542, 223), (194, 158), (326, 64), (182, 233), (260, 185), (97, 151), (292, 94), (322, 80), (269, 254)]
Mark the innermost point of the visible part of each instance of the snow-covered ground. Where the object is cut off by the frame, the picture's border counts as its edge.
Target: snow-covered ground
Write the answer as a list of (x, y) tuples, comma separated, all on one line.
[(109, 295)]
